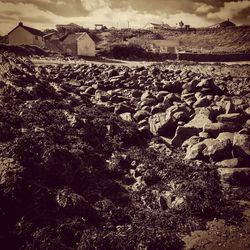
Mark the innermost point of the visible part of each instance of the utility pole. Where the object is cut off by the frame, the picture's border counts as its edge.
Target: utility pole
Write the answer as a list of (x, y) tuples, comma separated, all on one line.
[(128, 24)]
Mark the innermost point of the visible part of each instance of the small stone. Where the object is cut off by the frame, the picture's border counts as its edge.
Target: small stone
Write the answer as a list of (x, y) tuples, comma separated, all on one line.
[(126, 117)]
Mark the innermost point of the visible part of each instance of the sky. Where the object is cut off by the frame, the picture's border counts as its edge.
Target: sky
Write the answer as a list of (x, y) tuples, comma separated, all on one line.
[(42, 14)]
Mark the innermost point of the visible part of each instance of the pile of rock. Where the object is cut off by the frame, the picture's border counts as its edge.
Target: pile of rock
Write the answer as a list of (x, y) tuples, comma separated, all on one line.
[(190, 110)]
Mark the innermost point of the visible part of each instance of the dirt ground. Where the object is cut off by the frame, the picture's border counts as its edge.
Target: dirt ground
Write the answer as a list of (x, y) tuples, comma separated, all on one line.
[(221, 236)]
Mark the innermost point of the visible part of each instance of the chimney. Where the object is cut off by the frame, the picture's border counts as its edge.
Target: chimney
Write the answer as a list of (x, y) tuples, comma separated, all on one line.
[(20, 24)]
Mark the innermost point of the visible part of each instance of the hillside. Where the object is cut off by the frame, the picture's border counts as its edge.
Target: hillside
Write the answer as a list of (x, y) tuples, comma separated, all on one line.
[(236, 39)]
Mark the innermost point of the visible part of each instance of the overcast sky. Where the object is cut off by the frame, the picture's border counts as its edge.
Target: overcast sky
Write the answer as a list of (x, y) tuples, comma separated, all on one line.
[(43, 14)]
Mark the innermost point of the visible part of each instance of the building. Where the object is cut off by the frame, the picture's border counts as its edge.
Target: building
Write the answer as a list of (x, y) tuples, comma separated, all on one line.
[(80, 44), (100, 27), (26, 35), (52, 41), (163, 46), (160, 46), (223, 24), (152, 26)]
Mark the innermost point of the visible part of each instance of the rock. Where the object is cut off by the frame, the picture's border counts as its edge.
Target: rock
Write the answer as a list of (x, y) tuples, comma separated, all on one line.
[(194, 127), (204, 135), (190, 142), (148, 102), (230, 108), (122, 108), (90, 91), (229, 163), (126, 117), (173, 87), (235, 176), (190, 86), (195, 151), (136, 93), (112, 72), (203, 102), (161, 147), (214, 129), (219, 150), (224, 136), (183, 133), (162, 124), (200, 119), (160, 95), (206, 83), (247, 124), (101, 96), (157, 109), (234, 117), (146, 95), (241, 145), (172, 97), (141, 115), (181, 116)]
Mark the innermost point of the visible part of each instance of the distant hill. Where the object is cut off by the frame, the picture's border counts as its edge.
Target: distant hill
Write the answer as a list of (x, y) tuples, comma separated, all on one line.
[(219, 40)]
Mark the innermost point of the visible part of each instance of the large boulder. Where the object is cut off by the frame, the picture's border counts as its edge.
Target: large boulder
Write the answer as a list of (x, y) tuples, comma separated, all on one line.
[(162, 124), (214, 129), (183, 133), (192, 128), (195, 151), (219, 150), (241, 145)]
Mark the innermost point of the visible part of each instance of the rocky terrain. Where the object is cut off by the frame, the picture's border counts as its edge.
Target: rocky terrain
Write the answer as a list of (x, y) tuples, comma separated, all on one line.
[(115, 157), (220, 40)]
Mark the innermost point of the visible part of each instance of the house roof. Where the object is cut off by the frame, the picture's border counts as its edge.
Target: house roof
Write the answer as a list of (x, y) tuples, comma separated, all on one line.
[(33, 31), (49, 35), (162, 25), (227, 22), (72, 37)]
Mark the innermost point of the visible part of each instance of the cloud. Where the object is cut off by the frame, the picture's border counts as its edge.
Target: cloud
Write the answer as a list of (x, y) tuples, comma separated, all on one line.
[(203, 8), (95, 4), (230, 10), (44, 14)]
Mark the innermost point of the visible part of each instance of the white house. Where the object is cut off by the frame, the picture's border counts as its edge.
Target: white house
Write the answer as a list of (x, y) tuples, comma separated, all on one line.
[(163, 46), (80, 44), (151, 26), (26, 35)]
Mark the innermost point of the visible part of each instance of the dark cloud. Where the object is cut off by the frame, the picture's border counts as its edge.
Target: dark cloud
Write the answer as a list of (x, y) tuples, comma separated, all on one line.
[(72, 8), (208, 10)]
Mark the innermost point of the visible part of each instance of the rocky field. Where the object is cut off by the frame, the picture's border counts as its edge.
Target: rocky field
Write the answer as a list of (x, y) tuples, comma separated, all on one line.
[(115, 157)]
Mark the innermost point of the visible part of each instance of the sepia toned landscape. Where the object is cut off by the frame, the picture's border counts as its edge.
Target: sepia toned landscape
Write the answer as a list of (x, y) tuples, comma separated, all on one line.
[(130, 136)]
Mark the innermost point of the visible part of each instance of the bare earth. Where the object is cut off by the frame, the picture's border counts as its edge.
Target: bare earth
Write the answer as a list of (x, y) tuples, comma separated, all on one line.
[(221, 236)]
